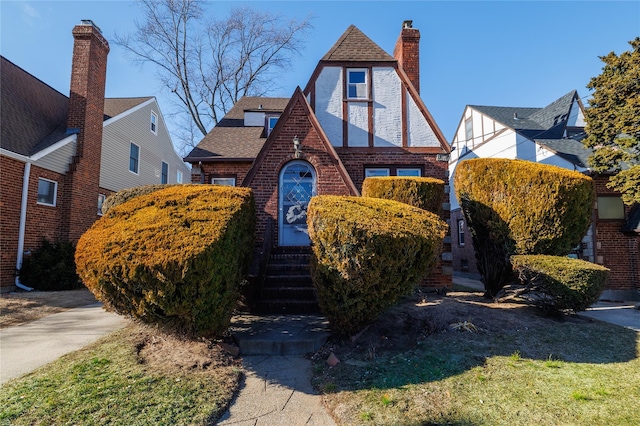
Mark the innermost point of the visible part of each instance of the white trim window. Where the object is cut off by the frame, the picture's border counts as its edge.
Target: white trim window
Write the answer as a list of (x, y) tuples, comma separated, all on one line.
[(178, 176), (271, 123), (134, 158), (154, 123), (460, 232), (468, 129), (376, 172), (101, 198), (47, 192), (409, 172), (164, 177), (357, 83), (224, 181)]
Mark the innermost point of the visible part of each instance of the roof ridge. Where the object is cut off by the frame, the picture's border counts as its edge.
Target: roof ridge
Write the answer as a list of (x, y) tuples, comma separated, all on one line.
[(354, 45)]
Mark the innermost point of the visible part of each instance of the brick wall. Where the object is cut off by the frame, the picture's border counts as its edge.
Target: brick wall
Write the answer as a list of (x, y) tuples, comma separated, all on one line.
[(462, 254), (266, 176), (237, 170)]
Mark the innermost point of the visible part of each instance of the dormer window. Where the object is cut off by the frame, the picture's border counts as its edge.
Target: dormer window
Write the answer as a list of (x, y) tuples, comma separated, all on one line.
[(357, 84), (271, 123), (154, 123)]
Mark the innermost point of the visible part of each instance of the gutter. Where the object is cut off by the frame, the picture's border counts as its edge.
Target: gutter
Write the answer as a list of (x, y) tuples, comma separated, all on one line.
[(23, 222)]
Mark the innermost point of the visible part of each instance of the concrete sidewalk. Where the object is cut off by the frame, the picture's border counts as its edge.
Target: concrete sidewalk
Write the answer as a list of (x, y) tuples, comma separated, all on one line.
[(26, 347), (624, 314)]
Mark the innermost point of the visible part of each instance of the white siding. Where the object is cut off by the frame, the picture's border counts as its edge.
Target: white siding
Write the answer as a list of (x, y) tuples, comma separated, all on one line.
[(387, 108), (420, 133), (576, 118), (116, 140), (328, 107), (358, 128)]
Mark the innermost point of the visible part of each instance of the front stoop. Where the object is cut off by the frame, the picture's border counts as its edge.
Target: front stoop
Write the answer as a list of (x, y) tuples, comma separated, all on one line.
[(287, 287), (279, 334)]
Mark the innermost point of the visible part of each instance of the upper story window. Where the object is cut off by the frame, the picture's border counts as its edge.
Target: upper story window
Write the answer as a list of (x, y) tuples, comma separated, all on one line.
[(460, 232), (468, 129), (47, 190), (179, 176), (164, 178), (134, 158), (101, 198), (225, 181), (154, 123), (357, 84), (271, 123)]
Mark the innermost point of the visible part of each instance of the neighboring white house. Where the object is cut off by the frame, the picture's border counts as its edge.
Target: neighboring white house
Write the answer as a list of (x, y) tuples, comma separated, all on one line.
[(549, 135), (136, 146)]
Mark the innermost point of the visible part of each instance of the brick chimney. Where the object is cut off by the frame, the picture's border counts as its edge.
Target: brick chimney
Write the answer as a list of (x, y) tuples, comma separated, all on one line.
[(407, 52), (85, 118)]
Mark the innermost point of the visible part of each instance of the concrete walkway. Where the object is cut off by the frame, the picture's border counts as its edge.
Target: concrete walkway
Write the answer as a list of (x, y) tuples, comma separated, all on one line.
[(26, 347), (276, 391), (624, 314)]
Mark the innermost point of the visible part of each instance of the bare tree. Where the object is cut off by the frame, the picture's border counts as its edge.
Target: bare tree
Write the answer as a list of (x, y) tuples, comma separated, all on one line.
[(211, 63)]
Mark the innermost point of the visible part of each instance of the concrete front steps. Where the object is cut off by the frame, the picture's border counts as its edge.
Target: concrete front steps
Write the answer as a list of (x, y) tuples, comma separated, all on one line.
[(279, 334), (287, 288)]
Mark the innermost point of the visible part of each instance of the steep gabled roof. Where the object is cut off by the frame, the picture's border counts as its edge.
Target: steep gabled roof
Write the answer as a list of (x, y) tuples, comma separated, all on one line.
[(115, 106), (30, 110), (230, 139), (571, 150), (354, 45)]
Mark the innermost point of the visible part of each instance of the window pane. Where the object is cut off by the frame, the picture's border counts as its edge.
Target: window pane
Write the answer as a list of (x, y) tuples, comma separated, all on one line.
[(154, 120), (101, 198), (179, 176), (376, 172), (461, 232), (165, 172), (134, 155), (610, 208), (46, 192), (356, 77), (224, 181), (409, 172)]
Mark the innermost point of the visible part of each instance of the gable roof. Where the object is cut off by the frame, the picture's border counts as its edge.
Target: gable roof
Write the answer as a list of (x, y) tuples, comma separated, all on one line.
[(299, 98), (545, 126), (230, 139), (116, 106), (30, 110), (33, 115), (354, 45)]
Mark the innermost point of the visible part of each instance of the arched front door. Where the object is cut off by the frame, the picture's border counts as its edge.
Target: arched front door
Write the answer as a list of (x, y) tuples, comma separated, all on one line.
[(297, 186)]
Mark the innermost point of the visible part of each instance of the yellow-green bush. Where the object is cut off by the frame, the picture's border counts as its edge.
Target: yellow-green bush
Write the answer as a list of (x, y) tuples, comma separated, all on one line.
[(422, 192), (520, 207), (175, 257), (367, 253), (560, 283), (129, 193)]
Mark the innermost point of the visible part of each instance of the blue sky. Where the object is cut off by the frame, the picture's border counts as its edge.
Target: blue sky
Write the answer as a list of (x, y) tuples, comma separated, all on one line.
[(504, 53)]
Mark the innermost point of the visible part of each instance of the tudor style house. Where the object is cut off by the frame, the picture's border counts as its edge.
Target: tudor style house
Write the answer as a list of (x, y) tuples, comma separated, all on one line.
[(359, 115), (550, 135), (60, 156)]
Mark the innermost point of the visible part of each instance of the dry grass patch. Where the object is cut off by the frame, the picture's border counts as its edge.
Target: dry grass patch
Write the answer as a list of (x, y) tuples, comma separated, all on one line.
[(507, 366)]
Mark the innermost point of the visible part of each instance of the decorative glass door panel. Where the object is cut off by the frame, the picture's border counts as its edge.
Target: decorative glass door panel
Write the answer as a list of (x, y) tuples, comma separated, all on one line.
[(297, 186)]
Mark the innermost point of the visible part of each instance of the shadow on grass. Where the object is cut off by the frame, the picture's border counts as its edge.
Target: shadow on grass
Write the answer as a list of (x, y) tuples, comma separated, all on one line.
[(416, 344)]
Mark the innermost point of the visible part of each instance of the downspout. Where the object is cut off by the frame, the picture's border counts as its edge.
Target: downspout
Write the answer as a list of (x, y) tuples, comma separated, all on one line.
[(23, 221)]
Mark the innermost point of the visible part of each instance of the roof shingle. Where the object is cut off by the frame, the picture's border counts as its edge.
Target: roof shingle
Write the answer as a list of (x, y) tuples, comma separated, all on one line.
[(355, 46)]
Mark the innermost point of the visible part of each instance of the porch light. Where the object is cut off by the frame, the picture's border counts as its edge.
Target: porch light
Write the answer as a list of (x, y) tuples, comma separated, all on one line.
[(296, 147)]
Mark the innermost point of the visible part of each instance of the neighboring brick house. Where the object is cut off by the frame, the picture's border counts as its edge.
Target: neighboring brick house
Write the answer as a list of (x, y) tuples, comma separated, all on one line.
[(61, 156), (359, 115), (550, 135)]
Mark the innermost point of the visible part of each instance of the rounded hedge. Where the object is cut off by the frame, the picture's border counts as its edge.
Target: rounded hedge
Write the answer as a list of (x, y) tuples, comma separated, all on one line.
[(422, 192), (367, 253), (175, 257), (560, 283), (520, 207), (125, 195), (51, 267)]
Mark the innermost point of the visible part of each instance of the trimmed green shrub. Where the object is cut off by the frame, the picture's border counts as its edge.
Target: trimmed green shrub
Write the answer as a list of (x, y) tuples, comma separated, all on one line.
[(520, 207), (125, 195), (557, 283), (175, 257), (422, 192), (51, 267), (367, 253)]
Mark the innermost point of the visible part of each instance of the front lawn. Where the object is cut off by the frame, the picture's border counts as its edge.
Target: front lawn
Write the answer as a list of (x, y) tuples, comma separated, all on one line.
[(460, 360), (135, 376)]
